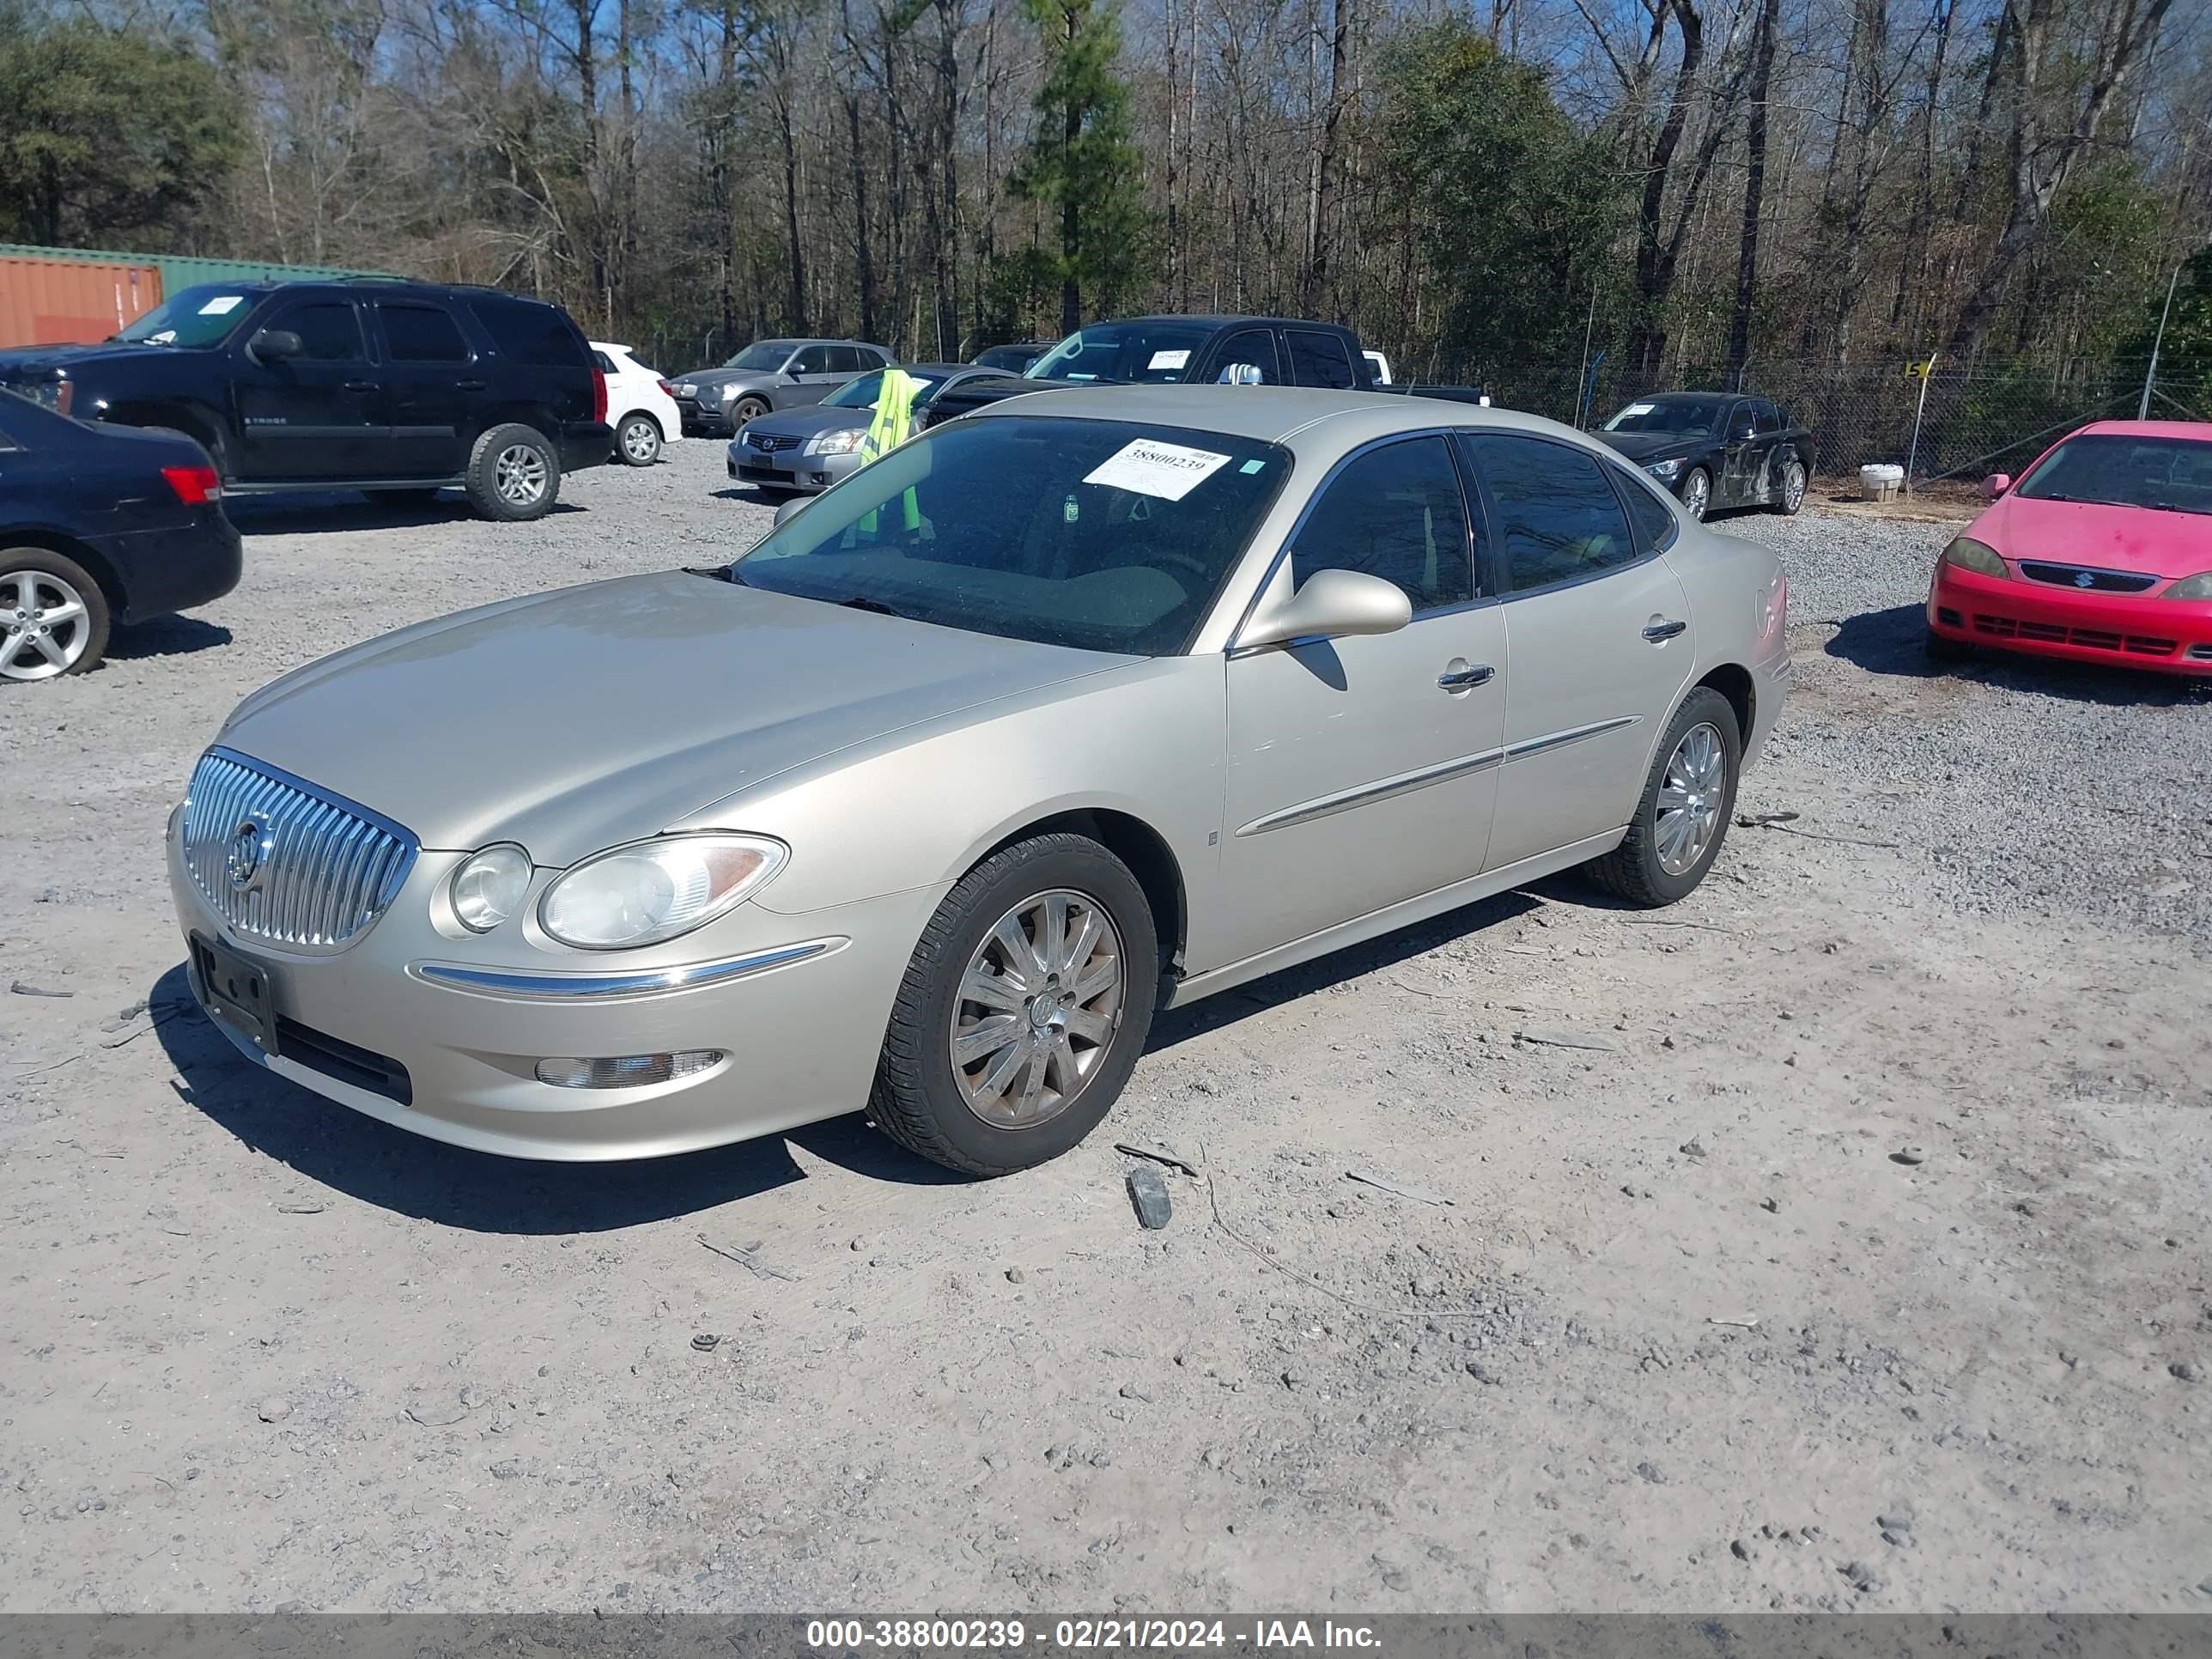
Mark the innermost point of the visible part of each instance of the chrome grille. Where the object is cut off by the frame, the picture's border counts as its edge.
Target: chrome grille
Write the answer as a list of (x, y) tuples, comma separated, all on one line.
[(771, 442), (2088, 578), (327, 868)]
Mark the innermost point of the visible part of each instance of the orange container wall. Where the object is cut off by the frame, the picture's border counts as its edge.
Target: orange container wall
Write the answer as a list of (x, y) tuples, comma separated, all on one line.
[(55, 302)]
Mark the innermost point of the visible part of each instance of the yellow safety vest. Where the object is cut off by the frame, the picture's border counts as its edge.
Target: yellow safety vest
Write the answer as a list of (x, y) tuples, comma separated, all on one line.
[(892, 426)]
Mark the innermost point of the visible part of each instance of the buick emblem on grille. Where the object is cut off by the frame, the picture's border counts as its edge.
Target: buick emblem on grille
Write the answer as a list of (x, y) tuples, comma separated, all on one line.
[(246, 859), (2085, 579)]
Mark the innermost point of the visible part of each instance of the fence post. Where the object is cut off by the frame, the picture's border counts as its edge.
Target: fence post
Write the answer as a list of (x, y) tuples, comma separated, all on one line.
[(2150, 369), (1926, 372)]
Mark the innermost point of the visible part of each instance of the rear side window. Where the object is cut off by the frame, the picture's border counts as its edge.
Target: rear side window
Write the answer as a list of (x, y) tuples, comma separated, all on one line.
[(1647, 516), (1320, 360), (422, 334), (1557, 518), (529, 332), (1396, 513), (606, 363), (1765, 417), (328, 330)]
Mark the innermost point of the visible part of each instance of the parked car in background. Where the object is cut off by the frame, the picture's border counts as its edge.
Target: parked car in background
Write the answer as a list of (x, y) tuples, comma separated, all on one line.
[(1012, 359), (2101, 553), (1076, 707), (402, 388), (769, 374), (1716, 450), (1378, 367), (641, 405), (99, 524), (805, 451)]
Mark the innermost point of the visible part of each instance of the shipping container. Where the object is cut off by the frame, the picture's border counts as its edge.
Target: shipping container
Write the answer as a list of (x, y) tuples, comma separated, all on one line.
[(61, 296), (63, 302)]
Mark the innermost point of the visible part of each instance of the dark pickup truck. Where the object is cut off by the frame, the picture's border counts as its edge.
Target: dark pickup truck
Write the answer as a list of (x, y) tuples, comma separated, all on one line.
[(405, 388), (1192, 351)]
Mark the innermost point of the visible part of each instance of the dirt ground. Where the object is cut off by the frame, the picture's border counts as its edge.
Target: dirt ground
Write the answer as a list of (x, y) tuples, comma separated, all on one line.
[(1854, 1256)]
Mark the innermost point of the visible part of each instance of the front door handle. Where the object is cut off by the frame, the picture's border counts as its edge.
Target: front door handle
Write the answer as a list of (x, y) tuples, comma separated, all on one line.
[(361, 386), (468, 386), (1660, 632), (1460, 677)]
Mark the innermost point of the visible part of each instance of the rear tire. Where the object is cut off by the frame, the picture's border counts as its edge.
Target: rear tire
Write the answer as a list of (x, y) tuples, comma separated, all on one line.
[(1659, 862), (637, 441), (1792, 496), (53, 617), (514, 474), (1021, 1091)]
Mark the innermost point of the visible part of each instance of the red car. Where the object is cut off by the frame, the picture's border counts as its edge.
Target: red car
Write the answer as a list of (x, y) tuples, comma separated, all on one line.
[(2101, 553)]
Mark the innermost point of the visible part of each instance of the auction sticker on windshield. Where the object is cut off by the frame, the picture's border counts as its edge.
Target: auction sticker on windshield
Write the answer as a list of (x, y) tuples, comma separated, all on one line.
[(1167, 470), (223, 306)]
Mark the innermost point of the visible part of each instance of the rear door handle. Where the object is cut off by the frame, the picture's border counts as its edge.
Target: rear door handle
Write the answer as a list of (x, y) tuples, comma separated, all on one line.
[(1464, 677), (1660, 632)]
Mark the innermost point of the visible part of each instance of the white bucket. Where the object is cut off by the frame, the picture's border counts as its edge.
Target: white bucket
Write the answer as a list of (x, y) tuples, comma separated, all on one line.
[(1881, 481)]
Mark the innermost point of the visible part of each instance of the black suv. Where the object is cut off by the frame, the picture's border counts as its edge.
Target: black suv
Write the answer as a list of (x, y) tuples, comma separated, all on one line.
[(405, 388)]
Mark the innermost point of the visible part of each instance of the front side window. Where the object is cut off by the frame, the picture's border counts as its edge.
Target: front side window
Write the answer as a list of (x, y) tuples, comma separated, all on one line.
[(1320, 360), (764, 354), (194, 317), (1123, 353), (329, 331), (2172, 474), (1396, 513), (1556, 518), (812, 360), (1103, 535), (1254, 347), (424, 334)]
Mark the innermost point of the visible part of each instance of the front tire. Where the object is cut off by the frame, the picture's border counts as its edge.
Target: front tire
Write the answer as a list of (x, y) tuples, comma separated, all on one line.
[(514, 474), (1023, 1010), (1697, 493), (53, 617), (638, 440), (1683, 815), (746, 409)]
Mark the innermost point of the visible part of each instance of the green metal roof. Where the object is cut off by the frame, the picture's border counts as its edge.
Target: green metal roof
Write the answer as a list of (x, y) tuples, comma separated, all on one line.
[(182, 269)]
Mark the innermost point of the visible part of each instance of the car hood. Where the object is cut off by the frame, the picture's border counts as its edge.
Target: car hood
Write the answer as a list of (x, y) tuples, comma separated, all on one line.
[(1645, 447), (576, 720), (47, 360), (2141, 539), (749, 378), (806, 422)]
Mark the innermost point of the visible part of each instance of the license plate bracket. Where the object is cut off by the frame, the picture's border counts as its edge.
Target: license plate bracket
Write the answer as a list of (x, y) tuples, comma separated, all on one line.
[(238, 991)]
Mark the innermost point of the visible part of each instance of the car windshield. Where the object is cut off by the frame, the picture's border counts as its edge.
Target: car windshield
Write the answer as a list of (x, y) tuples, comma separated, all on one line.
[(1686, 416), (1122, 351), (2173, 474), (862, 391), (768, 353), (1103, 535), (202, 316)]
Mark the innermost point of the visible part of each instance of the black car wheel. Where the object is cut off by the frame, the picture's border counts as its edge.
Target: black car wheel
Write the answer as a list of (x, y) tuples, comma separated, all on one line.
[(513, 473), (747, 409), (639, 440), (1792, 494), (53, 617), (1697, 494)]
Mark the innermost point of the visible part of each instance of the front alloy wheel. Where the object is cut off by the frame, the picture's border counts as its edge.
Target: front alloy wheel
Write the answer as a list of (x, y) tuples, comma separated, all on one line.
[(1696, 492), (1037, 1009)]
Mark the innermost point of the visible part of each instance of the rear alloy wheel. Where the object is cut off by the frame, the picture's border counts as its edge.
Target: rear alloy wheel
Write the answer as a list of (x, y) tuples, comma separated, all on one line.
[(514, 474), (1793, 488), (1697, 492), (1683, 816), (53, 617), (1023, 1010), (639, 440)]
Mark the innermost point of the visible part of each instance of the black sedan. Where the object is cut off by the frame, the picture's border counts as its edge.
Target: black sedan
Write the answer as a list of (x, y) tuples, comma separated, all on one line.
[(1715, 450), (99, 524)]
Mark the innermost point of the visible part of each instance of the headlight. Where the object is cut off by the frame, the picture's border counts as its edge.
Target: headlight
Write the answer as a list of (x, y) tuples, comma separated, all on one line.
[(1977, 557), (1665, 469), (2198, 586), (837, 443), (728, 392), (655, 889), (489, 886)]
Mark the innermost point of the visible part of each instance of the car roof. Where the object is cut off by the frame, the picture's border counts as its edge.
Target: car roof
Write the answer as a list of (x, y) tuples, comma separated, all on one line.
[(1271, 414), (1686, 397), (2196, 431)]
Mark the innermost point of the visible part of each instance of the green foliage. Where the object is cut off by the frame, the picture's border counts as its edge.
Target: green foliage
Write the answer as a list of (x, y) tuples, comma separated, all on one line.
[(107, 136), (2101, 256), (1081, 154), (2184, 357), (1516, 208)]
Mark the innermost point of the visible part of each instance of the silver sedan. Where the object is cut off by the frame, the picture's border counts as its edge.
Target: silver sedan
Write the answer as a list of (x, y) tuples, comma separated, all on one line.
[(1076, 708)]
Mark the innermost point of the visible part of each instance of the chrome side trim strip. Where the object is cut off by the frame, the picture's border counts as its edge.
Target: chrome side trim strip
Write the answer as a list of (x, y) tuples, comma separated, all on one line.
[(513, 982), (1529, 746), (1367, 793)]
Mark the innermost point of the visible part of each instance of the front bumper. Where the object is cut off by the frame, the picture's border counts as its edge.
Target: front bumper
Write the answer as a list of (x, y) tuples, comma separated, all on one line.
[(796, 1004), (2113, 630), (787, 468)]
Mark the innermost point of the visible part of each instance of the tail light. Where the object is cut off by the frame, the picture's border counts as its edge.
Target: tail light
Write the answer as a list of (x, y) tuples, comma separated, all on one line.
[(666, 386), (598, 394), (195, 485)]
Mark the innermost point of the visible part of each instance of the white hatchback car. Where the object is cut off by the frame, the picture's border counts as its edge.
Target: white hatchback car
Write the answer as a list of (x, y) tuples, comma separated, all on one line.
[(640, 407)]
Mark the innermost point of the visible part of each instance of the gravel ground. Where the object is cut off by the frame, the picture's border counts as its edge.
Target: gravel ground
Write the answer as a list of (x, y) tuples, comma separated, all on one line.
[(1694, 1332)]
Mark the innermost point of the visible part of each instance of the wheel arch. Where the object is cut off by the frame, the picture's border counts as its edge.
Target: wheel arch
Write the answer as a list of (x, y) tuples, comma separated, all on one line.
[(1137, 845), (660, 425), (540, 419), (1734, 682), (69, 547)]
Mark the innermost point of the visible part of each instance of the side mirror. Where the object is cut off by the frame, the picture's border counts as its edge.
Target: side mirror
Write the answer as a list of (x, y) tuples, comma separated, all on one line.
[(791, 506), (1328, 603), (275, 344), (1995, 485)]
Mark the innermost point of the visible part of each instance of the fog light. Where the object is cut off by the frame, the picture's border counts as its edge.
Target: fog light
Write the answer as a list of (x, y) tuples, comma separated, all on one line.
[(626, 1071)]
